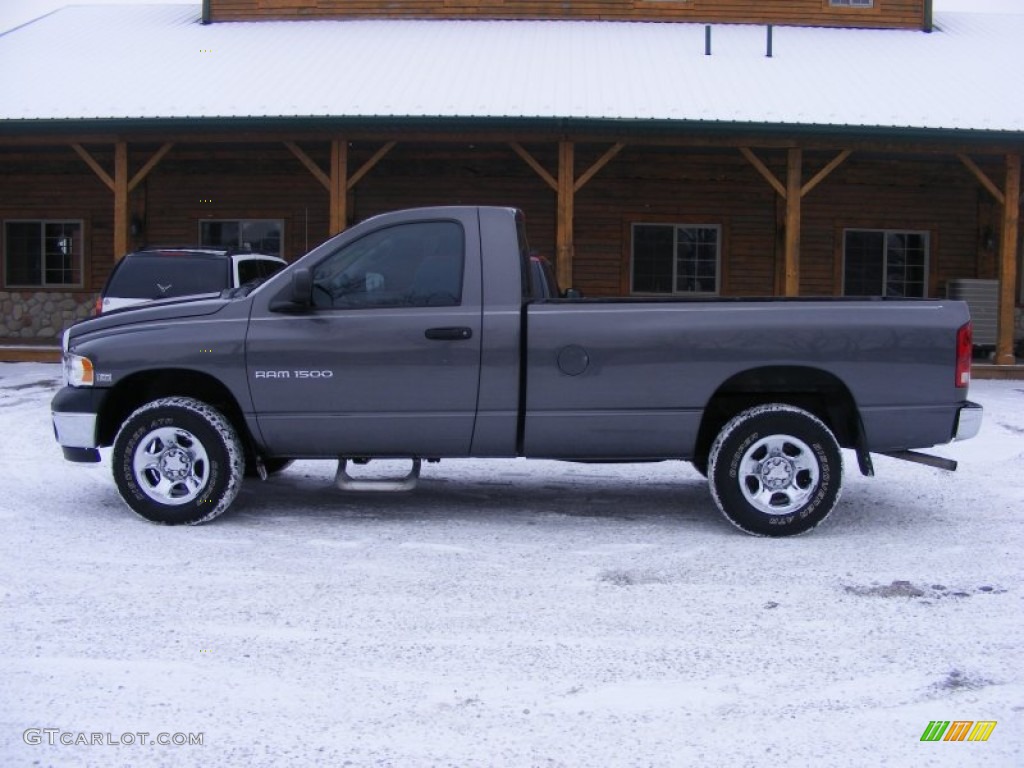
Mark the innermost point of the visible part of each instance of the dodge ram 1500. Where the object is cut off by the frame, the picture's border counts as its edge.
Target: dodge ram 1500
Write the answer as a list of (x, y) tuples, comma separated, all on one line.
[(424, 334)]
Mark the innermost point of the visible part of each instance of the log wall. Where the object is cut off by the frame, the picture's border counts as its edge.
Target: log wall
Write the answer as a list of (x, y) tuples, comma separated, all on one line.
[(883, 13)]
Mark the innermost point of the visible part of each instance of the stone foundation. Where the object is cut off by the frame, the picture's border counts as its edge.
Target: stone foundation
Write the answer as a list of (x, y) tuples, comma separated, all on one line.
[(41, 315)]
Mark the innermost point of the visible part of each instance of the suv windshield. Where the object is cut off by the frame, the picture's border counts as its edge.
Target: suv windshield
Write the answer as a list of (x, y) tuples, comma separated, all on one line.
[(161, 277)]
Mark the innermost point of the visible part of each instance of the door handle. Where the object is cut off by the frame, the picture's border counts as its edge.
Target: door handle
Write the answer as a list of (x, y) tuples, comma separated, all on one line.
[(449, 334)]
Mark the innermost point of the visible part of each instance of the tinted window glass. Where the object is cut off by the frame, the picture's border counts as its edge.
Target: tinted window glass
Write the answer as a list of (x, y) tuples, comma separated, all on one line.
[(652, 258), (43, 253), (680, 259), (256, 269), (885, 263), (268, 267), (409, 265), (24, 243), (249, 270), (162, 277)]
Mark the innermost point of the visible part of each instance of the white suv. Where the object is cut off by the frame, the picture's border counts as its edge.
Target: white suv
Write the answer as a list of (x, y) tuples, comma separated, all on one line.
[(165, 273)]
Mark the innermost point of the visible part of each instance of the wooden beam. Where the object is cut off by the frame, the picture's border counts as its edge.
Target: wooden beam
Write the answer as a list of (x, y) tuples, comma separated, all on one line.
[(150, 165), (1008, 261), (764, 171), (120, 200), (96, 167), (531, 161), (566, 204), (338, 184), (368, 165), (990, 147), (602, 161), (821, 175), (310, 164), (980, 175), (794, 170)]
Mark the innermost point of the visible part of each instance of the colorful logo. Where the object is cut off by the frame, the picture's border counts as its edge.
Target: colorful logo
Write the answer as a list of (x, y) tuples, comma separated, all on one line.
[(958, 730)]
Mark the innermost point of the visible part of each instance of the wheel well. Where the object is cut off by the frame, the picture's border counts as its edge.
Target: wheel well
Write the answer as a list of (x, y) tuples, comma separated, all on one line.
[(144, 387), (812, 389)]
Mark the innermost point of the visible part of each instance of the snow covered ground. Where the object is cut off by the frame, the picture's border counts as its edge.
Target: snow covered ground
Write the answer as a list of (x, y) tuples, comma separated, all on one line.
[(510, 613)]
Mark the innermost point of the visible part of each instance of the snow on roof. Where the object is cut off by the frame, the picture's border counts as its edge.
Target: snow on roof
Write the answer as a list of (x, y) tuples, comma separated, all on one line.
[(159, 61)]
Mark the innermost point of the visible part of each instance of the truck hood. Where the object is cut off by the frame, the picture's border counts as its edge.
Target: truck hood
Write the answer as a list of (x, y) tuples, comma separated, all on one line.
[(155, 311)]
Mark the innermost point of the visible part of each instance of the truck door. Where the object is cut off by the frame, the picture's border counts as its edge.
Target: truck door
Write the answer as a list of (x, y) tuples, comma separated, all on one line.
[(387, 360)]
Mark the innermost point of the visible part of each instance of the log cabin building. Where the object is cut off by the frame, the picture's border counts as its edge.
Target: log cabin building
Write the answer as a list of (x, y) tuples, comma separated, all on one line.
[(658, 147)]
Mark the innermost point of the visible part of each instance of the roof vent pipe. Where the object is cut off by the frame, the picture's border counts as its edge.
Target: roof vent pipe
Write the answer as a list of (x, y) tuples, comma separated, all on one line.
[(707, 39), (768, 53)]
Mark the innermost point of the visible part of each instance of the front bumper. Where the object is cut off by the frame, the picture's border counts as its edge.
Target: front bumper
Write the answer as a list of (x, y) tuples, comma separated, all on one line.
[(75, 430), (968, 421), (75, 416)]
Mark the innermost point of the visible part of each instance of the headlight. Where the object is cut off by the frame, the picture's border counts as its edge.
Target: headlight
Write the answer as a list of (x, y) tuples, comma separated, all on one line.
[(64, 339), (78, 371)]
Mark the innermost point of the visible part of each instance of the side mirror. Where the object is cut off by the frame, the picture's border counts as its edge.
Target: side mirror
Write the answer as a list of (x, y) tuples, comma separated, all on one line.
[(297, 295)]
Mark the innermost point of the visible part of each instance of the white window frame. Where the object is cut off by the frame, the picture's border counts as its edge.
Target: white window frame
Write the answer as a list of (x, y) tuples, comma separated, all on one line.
[(80, 256), (676, 226), (241, 221), (852, 3), (924, 233)]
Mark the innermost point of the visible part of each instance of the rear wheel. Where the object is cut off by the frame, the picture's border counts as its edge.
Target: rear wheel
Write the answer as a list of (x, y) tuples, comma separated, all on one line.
[(775, 470), (178, 461)]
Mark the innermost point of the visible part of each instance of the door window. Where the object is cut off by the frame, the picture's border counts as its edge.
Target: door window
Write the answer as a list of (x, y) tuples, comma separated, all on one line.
[(408, 265)]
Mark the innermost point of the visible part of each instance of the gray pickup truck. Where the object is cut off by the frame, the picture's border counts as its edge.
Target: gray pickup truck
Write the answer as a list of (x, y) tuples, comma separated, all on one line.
[(430, 333)]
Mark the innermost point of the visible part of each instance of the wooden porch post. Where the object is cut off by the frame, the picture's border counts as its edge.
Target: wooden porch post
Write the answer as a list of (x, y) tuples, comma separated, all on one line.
[(794, 172), (1008, 261), (788, 220), (121, 186), (120, 200), (566, 200), (339, 185)]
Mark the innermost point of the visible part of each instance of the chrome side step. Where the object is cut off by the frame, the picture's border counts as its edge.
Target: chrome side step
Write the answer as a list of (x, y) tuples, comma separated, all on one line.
[(346, 482), (923, 458)]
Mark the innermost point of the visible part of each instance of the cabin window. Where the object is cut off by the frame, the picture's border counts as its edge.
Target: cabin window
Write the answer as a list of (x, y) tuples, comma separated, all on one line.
[(245, 235), (676, 258), (43, 253), (852, 3), (885, 262)]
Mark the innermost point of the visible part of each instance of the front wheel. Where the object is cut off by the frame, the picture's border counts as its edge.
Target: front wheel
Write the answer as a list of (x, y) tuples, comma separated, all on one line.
[(178, 461), (775, 470)]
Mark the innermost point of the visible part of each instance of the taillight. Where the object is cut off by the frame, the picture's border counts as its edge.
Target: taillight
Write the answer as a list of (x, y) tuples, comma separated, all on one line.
[(963, 356), (99, 305)]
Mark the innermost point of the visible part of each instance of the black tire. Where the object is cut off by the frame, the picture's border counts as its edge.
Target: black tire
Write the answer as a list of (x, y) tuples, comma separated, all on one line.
[(775, 470), (178, 461)]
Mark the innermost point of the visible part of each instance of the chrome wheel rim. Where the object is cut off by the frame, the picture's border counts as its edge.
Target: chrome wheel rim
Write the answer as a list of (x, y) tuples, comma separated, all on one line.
[(778, 474), (171, 466)]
